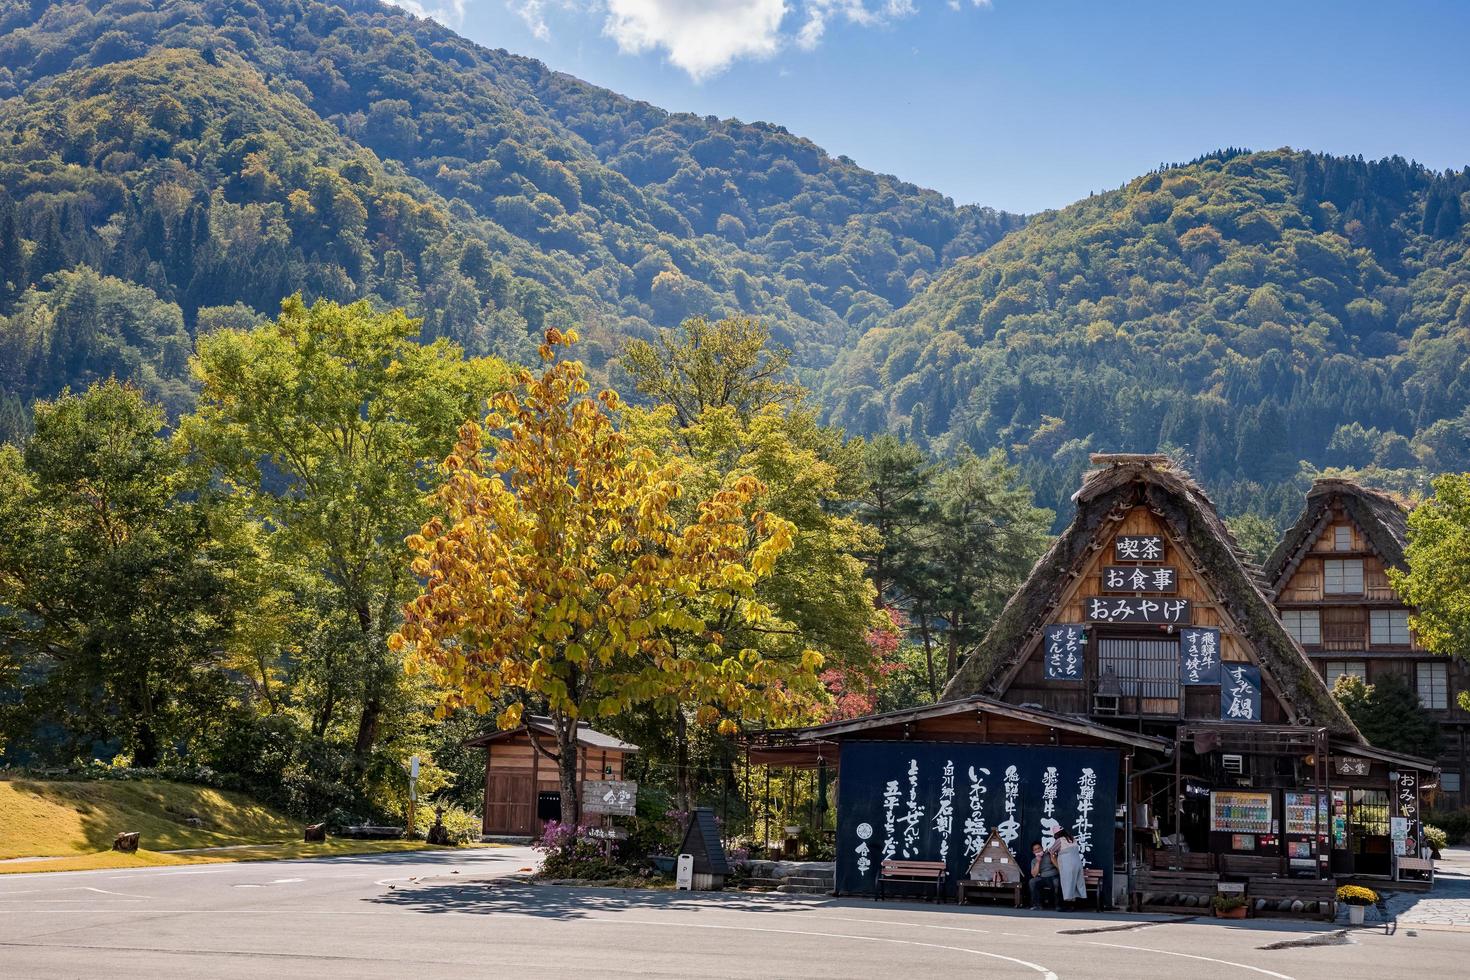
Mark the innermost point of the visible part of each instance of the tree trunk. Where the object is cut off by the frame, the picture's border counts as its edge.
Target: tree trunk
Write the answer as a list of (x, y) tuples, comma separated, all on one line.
[(928, 655), (952, 656), (367, 727), (566, 765), (682, 779)]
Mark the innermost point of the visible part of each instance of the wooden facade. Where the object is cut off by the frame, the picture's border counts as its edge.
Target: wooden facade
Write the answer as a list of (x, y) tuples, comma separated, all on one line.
[(1329, 581), (522, 784), (1282, 758)]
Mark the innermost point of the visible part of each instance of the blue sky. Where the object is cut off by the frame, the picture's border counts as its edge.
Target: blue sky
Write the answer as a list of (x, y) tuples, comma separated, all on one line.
[(1022, 104)]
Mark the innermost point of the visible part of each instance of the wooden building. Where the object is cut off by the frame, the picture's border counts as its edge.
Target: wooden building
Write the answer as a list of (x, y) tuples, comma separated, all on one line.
[(934, 783), (1328, 579), (522, 785), (1146, 616)]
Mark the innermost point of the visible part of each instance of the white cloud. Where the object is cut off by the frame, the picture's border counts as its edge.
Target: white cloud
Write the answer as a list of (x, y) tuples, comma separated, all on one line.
[(700, 36), (704, 37), (450, 13)]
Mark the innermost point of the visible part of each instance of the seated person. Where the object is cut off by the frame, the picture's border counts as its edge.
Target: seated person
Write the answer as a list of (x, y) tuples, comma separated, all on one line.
[(1043, 875)]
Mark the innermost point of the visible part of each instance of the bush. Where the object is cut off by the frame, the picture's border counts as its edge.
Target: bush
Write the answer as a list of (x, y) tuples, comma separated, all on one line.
[(1436, 838), (1454, 823), (572, 852), (462, 825)]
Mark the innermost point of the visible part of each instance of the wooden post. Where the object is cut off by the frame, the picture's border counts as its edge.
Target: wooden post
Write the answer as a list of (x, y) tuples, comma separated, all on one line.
[(1178, 798)]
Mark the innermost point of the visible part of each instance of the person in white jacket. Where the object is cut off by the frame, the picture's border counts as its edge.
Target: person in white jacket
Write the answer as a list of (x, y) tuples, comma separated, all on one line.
[(1068, 857)]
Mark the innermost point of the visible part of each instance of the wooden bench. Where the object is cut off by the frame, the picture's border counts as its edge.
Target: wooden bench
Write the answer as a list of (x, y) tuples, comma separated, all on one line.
[(1094, 880), (1167, 860), (1424, 865), (916, 872), (1246, 866), (967, 887), (1277, 896), (1173, 891)]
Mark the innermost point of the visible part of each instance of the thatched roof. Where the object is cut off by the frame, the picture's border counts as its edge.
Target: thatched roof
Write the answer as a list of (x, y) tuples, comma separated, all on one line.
[(1382, 519), (1121, 483)]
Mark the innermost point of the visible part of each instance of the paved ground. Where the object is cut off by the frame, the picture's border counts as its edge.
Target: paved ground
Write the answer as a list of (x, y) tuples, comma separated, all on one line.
[(411, 914), (1447, 906)]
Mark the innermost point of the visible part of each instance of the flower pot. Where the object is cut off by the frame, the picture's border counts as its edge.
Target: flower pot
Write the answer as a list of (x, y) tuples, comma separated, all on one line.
[(1356, 913), (1235, 913)]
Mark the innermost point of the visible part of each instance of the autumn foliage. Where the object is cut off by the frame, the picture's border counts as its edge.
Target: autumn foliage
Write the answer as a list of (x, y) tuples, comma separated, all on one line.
[(559, 572)]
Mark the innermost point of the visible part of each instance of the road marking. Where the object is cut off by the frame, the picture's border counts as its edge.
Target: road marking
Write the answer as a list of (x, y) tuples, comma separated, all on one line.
[(1191, 956), (1045, 973), (891, 922), (170, 874), (287, 881)]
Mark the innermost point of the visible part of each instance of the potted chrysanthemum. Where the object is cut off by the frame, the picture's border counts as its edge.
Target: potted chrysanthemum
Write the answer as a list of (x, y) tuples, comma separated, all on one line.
[(1357, 898)]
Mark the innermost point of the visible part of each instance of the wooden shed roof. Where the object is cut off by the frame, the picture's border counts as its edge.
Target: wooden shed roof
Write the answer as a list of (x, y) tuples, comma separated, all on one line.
[(784, 742), (1121, 483), (586, 737)]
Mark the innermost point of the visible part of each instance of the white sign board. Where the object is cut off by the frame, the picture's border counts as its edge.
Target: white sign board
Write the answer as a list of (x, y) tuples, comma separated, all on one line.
[(413, 767), (684, 877)]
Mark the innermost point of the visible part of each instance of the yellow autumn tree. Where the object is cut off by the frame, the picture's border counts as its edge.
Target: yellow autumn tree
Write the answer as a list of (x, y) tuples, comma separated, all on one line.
[(560, 573)]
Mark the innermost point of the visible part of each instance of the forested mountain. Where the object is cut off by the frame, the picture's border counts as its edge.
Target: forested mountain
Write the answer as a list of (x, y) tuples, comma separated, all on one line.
[(168, 167), (1250, 310), (203, 160)]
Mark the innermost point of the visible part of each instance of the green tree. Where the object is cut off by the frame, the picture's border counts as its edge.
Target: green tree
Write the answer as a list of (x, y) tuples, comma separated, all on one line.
[(983, 537), (328, 425), (1256, 535), (1437, 582), (1389, 715), (117, 598), (700, 366)]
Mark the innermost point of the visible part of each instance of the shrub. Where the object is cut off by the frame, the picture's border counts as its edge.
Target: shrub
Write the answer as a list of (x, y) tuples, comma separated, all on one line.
[(1454, 823), (462, 825), (572, 852), (1224, 903), (1435, 837)]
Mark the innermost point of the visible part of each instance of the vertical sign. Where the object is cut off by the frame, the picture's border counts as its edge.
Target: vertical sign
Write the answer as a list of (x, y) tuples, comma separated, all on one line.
[(1199, 656), (1240, 693), (1063, 652), (1408, 800)]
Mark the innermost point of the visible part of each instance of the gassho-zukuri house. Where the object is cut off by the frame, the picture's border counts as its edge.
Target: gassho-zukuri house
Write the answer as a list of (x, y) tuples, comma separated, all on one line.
[(1141, 690)]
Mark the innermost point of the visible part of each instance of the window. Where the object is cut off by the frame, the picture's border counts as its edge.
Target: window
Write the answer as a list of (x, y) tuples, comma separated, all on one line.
[(1433, 686), (1144, 668), (1342, 538), (1305, 625), (1342, 576), (1345, 628), (1449, 782), (1390, 627), (1349, 668)]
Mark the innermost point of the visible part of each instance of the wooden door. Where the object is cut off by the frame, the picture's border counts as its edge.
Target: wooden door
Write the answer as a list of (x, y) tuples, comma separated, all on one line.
[(510, 803)]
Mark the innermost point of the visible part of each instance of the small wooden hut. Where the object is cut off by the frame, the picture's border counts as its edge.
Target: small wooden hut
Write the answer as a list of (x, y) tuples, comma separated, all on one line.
[(522, 786)]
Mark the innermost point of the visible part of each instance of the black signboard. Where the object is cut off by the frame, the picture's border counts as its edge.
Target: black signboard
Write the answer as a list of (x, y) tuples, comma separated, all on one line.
[(1101, 609), (1064, 644), (1199, 656), (938, 801), (1138, 547), (1240, 692), (1158, 579)]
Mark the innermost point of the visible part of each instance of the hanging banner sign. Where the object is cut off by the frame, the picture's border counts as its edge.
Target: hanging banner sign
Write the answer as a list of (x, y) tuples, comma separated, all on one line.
[(1408, 806), (1199, 656), (1240, 693), (1138, 547), (1064, 652), (1158, 579), (1124, 610), (938, 801)]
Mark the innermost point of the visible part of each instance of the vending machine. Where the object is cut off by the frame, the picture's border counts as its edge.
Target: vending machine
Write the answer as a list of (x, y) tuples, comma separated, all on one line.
[(1307, 835), (1243, 822)]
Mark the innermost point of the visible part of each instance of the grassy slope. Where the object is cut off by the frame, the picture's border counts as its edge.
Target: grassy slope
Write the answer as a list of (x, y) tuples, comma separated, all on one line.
[(66, 818), (72, 824)]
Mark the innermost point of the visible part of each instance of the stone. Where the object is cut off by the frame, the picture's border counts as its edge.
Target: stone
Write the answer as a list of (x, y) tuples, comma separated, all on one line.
[(126, 842)]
